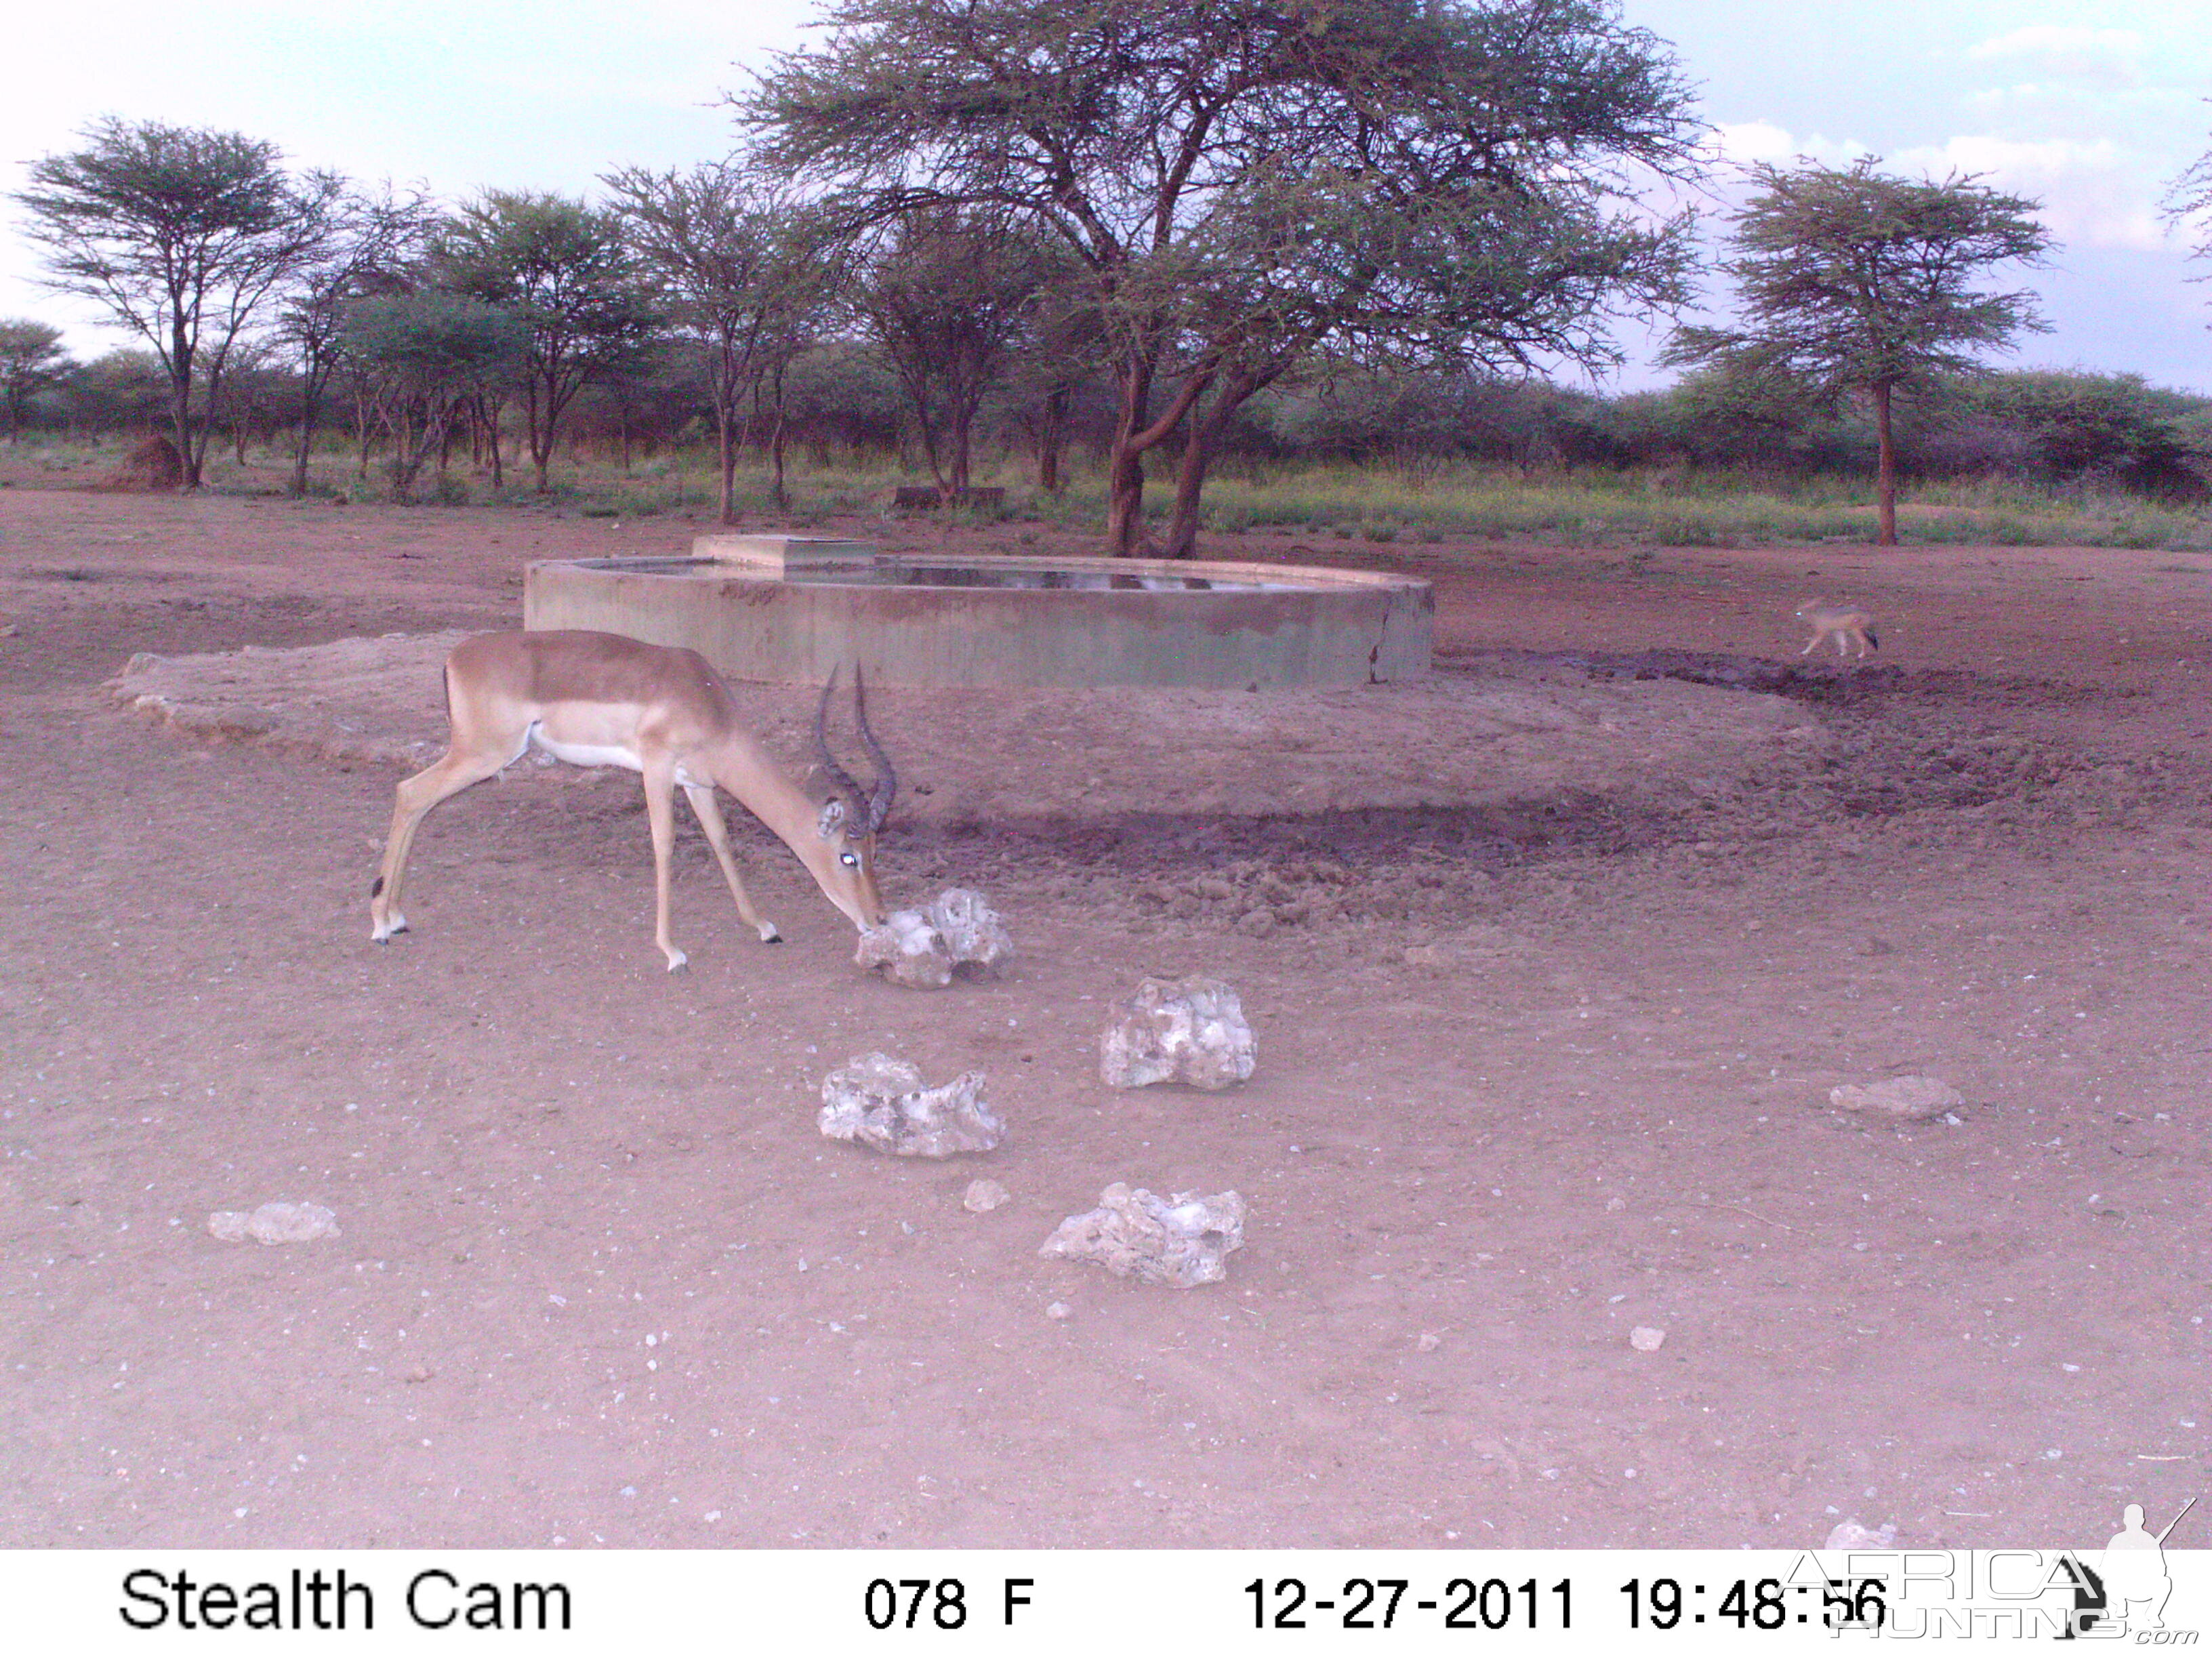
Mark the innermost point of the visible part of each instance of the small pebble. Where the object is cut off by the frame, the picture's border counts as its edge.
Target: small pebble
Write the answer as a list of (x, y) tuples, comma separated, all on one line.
[(1429, 1342), (1646, 1339), (1058, 1310), (982, 1197), (1850, 1535)]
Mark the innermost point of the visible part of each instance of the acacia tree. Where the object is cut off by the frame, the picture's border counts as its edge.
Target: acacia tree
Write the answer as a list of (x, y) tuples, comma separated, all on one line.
[(182, 234), (944, 294), (2187, 206), (374, 240), (1857, 283), (31, 360), (1251, 182), (562, 269), (421, 359), (734, 269), (116, 390), (1061, 349)]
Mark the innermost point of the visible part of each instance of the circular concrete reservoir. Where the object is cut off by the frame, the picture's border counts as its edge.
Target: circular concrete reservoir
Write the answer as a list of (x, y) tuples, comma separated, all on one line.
[(786, 608)]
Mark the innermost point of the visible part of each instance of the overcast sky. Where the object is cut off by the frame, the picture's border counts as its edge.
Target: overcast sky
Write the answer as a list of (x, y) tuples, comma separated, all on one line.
[(2092, 108)]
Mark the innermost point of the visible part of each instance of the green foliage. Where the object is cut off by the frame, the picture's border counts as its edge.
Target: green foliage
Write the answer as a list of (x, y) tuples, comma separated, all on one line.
[(944, 296), (742, 271), (1253, 184), (118, 390), (2110, 429), (31, 360), (424, 358), (435, 342), (182, 234), (1853, 280), (564, 272)]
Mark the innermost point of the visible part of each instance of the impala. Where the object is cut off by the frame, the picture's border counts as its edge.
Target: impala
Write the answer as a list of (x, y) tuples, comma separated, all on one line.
[(603, 700)]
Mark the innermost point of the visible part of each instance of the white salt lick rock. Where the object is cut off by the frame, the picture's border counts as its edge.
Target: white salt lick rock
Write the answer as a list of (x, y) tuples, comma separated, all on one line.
[(1191, 1030), (880, 1101), (957, 935), (1181, 1241), (275, 1223), (1905, 1099)]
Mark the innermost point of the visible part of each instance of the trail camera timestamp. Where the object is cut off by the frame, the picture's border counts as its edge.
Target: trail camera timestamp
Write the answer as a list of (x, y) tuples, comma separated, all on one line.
[(1760, 1604), (1464, 1603)]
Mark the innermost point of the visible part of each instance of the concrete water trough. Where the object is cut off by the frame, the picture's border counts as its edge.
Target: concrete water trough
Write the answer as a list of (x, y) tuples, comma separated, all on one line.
[(791, 609)]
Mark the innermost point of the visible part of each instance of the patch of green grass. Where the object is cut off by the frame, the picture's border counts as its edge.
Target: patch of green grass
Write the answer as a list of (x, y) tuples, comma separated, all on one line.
[(1431, 503)]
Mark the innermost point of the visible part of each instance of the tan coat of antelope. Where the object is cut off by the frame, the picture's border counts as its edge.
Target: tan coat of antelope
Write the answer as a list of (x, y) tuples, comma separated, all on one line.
[(1847, 623), (605, 700)]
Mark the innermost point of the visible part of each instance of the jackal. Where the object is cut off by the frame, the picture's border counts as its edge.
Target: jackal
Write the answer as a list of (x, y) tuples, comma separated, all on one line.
[(1846, 621)]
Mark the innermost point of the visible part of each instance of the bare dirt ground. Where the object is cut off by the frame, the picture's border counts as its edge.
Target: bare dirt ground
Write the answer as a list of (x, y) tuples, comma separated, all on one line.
[(600, 1281)]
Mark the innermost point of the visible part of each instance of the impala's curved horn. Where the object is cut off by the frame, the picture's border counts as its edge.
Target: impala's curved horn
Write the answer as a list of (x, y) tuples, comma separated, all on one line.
[(847, 784), (880, 797)]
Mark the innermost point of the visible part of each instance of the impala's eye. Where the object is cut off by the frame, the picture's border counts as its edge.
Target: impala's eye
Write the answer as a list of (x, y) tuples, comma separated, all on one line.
[(848, 861)]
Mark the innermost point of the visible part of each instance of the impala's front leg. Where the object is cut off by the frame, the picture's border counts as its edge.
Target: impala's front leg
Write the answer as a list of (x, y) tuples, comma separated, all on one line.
[(452, 772), (710, 812), (660, 814)]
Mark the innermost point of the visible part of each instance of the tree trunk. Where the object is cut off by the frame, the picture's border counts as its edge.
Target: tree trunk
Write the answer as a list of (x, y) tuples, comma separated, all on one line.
[(361, 430), (493, 408), (775, 445), (1125, 464), (196, 458), (309, 407), (540, 438), (725, 453), (180, 422), (1125, 498), (962, 437), (405, 459), (1052, 431), (1207, 427), (180, 402), (1886, 468)]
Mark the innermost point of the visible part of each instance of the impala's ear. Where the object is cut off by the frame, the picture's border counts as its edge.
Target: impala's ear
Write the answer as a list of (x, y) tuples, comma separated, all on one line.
[(832, 820)]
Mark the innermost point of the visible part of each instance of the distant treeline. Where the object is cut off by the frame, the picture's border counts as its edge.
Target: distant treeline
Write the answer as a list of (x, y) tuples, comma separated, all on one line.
[(2071, 429)]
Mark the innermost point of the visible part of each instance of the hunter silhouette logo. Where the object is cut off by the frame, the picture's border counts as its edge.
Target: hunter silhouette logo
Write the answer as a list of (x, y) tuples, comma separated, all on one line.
[(2132, 1577)]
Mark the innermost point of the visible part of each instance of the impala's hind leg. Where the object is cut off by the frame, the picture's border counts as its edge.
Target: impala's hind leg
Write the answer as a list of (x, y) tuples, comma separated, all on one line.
[(448, 775), (660, 816), (710, 812)]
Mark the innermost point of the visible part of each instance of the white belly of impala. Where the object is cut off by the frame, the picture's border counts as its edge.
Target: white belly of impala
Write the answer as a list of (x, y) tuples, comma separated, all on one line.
[(586, 753), (603, 754)]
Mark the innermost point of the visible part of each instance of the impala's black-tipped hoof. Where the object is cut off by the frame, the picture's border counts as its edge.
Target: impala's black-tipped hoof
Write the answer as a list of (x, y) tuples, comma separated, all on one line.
[(773, 938)]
